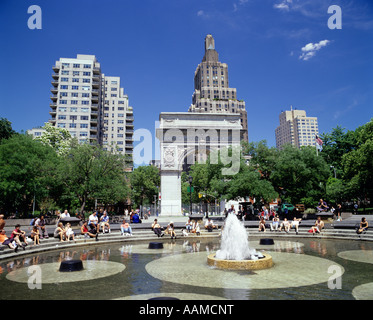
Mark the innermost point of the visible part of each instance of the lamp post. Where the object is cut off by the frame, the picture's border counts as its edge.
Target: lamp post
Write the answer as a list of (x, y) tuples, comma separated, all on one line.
[(190, 179)]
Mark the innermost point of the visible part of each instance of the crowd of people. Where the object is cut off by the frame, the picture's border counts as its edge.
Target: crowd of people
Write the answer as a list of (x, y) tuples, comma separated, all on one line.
[(99, 221)]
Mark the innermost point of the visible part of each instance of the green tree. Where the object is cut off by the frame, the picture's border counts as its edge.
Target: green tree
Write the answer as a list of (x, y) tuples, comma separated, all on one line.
[(58, 138), (88, 172), (27, 170), (6, 130), (144, 181), (358, 163), (300, 175)]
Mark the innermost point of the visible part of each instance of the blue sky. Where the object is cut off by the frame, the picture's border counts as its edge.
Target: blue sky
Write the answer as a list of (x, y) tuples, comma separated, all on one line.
[(155, 47)]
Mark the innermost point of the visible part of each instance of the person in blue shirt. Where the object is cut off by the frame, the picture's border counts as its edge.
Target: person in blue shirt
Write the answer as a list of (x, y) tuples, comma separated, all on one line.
[(136, 218), (104, 222)]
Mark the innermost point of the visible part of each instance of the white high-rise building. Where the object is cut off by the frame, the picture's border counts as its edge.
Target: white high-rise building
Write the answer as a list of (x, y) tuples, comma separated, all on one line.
[(296, 128), (90, 105)]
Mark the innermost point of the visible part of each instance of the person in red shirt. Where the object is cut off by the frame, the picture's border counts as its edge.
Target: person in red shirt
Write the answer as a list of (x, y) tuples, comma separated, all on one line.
[(18, 235)]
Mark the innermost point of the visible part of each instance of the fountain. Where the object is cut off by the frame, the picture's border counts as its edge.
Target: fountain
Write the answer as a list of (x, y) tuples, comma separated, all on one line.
[(235, 252), (71, 265)]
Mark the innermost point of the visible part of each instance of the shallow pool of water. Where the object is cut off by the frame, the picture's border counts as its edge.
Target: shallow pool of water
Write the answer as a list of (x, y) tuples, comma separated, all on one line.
[(303, 269)]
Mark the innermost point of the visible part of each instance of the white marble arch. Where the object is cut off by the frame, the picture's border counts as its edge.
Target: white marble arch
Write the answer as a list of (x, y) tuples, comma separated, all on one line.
[(182, 136)]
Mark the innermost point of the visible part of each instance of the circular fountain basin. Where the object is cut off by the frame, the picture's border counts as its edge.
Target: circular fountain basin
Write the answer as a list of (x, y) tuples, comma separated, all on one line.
[(262, 263)]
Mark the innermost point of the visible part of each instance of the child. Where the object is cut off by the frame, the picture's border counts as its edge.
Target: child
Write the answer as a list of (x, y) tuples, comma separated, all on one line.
[(35, 235), (69, 232)]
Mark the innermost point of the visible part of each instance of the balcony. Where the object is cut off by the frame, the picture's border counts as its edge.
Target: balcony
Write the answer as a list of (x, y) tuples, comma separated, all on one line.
[(94, 98), (94, 106), (129, 125), (94, 113), (54, 97), (54, 90), (95, 92), (94, 121), (129, 118), (129, 146), (53, 113), (96, 70), (95, 84), (55, 83), (93, 129), (53, 105), (55, 75), (56, 68)]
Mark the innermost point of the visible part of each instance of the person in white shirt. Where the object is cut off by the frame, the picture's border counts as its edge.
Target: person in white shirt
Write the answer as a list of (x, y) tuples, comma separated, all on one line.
[(295, 224), (93, 221), (65, 214)]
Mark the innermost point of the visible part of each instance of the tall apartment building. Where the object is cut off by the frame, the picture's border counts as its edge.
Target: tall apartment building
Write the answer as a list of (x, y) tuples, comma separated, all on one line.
[(212, 93), (296, 128), (92, 106), (117, 116)]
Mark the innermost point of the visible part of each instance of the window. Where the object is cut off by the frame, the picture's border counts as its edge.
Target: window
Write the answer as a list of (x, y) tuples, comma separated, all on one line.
[(83, 117), (64, 72), (75, 79), (114, 82), (63, 101), (113, 95), (63, 94), (72, 125), (66, 64), (61, 117), (113, 89), (86, 88), (74, 94), (62, 109), (76, 65), (83, 125), (86, 73), (63, 87), (85, 95), (75, 87), (121, 102), (74, 101), (64, 79), (87, 66), (75, 73), (84, 110), (61, 125), (86, 80), (85, 102), (83, 134), (73, 109)]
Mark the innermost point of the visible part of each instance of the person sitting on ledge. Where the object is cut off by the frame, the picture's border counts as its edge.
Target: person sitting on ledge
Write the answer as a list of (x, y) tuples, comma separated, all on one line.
[(35, 235), (319, 225), (136, 218), (262, 225), (322, 206), (125, 228), (171, 230), (295, 224), (157, 228), (195, 228), (88, 233), (7, 242), (209, 226), (19, 236), (286, 225), (363, 226)]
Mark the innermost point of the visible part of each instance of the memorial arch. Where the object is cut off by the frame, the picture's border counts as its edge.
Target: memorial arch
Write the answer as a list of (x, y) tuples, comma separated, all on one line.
[(187, 137)]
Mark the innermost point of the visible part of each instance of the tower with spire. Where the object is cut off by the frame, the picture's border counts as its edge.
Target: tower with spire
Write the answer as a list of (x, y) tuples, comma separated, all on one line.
[(212, 93)]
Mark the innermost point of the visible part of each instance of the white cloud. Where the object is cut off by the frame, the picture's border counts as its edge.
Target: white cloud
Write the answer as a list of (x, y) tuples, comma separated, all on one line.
[(284, 5), (200, 13), (310, 49)]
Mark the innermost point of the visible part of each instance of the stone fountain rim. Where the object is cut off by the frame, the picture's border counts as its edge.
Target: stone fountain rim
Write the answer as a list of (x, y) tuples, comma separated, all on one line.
[(262, 263)]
